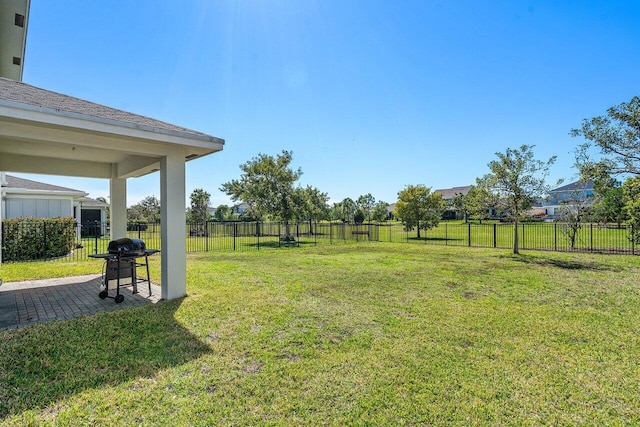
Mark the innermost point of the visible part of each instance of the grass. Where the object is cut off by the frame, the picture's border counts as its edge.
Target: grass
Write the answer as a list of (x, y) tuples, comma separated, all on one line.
[(380, 334)]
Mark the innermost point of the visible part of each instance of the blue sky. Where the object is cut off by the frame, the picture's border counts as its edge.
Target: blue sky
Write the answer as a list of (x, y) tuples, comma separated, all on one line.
[(369, 95)]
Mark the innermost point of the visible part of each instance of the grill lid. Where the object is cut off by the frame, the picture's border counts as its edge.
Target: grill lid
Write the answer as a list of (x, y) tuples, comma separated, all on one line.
[(127, 247)]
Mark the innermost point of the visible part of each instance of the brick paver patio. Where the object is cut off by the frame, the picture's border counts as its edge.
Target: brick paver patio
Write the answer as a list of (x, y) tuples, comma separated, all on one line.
[(35, 301)]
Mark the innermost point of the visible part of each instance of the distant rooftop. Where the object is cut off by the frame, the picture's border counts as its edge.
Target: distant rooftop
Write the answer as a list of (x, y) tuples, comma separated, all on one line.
[(575, 186), (27, 184), (450, 193)]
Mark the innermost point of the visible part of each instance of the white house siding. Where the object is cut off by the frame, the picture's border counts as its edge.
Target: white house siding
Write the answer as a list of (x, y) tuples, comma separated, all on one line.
[(37, 208)]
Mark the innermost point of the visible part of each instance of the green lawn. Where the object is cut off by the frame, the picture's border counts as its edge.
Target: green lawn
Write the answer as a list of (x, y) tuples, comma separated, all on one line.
[(380, 334)]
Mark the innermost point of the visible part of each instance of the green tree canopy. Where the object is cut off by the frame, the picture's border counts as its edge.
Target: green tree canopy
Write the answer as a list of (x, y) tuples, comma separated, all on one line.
[(380, 211), (478, 202), (617, 135), (609, 201), (517, 179), (147, 210), (344, 210), (311, 204), (223, 213), (199, 210), (419, 208), (631, 189), (365, 203), (267, 185)]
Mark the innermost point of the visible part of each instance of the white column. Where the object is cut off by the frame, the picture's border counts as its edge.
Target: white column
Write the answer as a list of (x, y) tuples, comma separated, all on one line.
[(2, 202), (118, 201), (173, 219), (1, 216)]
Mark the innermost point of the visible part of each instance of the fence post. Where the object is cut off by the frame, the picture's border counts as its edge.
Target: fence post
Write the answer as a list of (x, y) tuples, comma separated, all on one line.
[(235, 233), (258, 233), (95, 236), (522, 245), (469, 233), (206, 236), (315, 235), (633, 242), (591, 236), (331, 233), (495, 235), (555, 236), (446, 234), (44, 233)]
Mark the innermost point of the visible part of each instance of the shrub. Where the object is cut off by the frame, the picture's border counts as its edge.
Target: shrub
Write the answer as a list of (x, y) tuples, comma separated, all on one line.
[(25, 239)]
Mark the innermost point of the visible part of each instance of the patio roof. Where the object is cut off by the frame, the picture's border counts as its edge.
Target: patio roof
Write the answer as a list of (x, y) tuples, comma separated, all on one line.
[(45, 132), (84, 138)]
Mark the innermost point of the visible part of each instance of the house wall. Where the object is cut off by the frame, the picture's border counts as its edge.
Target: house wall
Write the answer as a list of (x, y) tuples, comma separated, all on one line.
[(17, 207)]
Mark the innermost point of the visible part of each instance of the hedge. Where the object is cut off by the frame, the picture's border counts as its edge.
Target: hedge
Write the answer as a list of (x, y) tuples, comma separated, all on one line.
[(25, 239)]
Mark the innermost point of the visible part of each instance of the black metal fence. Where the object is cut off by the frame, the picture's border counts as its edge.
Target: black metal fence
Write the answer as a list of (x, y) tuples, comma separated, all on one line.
[(92, 238)]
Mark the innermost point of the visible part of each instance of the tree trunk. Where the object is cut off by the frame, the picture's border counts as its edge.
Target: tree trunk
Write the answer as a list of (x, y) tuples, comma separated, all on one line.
[(418, 230)]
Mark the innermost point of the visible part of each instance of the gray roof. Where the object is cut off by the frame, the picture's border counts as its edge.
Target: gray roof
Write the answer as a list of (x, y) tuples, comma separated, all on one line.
[(89, 202), (450, 193), (27, 184), (15, 91), (575, 186)]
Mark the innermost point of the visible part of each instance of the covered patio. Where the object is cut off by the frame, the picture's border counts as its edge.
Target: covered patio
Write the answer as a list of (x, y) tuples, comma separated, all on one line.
[(49, 133), (36, 301)]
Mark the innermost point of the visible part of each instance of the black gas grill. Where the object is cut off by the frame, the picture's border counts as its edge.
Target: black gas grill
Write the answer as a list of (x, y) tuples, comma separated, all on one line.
[(127, 247), (120, 266)]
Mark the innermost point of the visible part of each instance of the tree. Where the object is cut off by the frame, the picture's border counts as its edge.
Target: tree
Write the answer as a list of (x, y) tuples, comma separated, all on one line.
[(311, 205), (223, 213), (380, 211), (457, 203), (344, 210), (617, 135), (147, 210), (365, 203), (478, 202), (359, 216), (631, 188), (199, 210), (572, 213), (267, 185), (419, 207), (517, 179), (609, 201)]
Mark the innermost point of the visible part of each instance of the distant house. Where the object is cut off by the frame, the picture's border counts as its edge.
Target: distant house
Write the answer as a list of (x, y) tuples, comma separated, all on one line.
[(26, 198), (391, 208), (448, 194), (576, 191), (241, 208)]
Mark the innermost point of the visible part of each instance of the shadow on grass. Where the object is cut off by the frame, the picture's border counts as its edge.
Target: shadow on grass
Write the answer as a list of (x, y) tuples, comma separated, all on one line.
[(435, 239), (559, 263), (42, 364), (275, 245)]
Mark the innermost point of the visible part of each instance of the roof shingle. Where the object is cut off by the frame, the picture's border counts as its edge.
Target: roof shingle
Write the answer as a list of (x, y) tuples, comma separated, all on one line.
[(15, 91)]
